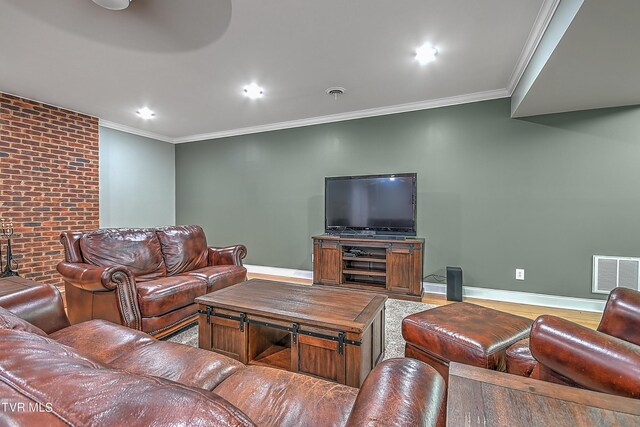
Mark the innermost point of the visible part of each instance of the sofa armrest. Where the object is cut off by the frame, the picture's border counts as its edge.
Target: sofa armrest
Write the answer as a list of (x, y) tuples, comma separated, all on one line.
[(621, 316), (89, 277), (39, 304), (589, 358), (92, 278), (230, 255), (399, 392)]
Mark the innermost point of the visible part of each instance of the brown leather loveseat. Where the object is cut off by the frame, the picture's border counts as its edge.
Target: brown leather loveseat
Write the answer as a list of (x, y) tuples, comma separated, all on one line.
[(146, 279), (97, 373)]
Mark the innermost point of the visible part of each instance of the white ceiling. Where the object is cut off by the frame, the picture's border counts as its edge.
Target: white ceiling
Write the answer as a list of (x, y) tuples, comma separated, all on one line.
[(594, 65), (188, 60)]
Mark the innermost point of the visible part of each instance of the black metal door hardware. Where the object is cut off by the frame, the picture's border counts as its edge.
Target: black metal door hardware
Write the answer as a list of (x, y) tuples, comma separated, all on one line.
[(294, 328)]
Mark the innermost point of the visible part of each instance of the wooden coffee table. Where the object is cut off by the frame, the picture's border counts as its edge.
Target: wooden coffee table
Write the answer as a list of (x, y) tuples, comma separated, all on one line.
[(335, 334)]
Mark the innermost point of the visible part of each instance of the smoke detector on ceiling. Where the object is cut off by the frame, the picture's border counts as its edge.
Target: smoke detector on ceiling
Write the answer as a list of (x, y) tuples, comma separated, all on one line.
[(113, 4), (335, 91)]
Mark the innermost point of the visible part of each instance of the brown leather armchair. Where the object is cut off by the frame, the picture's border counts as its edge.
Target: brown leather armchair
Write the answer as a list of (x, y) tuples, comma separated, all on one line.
[(146, 279), (605, 360)]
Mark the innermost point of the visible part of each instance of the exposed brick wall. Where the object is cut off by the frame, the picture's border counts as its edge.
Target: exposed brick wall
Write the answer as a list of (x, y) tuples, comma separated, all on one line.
[(48, 181)]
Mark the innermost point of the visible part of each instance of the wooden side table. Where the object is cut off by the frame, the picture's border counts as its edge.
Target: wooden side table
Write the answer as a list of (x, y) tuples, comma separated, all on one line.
[(479, 398)]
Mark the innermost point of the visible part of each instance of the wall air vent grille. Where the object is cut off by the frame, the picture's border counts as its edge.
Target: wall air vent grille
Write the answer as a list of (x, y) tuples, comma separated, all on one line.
[(612, 272)]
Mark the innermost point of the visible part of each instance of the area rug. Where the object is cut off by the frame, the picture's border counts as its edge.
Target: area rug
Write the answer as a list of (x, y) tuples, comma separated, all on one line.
[(396, 311)]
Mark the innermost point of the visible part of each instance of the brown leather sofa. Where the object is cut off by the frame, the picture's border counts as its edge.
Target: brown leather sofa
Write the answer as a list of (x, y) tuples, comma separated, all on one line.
[(605, 360), (98, 373), (146, 279)]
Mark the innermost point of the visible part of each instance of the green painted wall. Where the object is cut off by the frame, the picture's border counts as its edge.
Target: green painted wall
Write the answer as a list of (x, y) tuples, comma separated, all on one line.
[(494, 193), (137, 180)]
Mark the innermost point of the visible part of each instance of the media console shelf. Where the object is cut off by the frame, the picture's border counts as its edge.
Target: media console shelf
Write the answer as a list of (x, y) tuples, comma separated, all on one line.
[(392, 266)]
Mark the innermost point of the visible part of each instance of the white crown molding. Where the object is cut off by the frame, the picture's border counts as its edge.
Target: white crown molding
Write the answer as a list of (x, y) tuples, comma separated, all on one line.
[(539, 27), (372, 112), (351, 115), (555, 301), (136, 131)]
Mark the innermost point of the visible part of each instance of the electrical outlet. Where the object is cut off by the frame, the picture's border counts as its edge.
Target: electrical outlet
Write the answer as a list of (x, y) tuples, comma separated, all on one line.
[(311, 257), (519, 273)]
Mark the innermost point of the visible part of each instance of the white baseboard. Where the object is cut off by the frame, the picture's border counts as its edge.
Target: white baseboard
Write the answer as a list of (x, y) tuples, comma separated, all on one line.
[(434, 288), (277, 271), (555, 301), (544, 300)]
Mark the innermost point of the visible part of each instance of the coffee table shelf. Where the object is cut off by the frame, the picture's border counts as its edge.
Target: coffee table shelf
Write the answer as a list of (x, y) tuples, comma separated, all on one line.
[(276, 356)]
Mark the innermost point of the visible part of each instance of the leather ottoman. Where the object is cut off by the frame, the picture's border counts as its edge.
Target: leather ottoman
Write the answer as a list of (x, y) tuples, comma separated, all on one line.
[(464, 333)]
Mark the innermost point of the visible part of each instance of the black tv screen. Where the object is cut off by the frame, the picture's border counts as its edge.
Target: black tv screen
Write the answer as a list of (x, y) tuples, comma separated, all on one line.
[(380, 203)]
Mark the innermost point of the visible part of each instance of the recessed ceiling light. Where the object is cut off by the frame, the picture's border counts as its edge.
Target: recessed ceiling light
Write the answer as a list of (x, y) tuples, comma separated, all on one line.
[(145, 113), (426, 53), (253, 91)]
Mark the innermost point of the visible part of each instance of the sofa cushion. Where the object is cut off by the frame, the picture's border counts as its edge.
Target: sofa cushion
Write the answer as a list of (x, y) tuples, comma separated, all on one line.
[(102, 340), (136, 249), (8, 320), (219, 276), (272, 397), (160, 324), (520, 361), (180, 363), (138, 353), (84, 392), (184, 248), (166, 294)]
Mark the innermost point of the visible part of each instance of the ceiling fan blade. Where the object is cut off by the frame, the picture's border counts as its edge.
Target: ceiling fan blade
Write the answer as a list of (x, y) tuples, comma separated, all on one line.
[(113, 4), (144, 25)]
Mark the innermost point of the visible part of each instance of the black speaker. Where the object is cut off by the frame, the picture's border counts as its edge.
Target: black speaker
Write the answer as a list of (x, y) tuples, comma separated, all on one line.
[(454, 284)]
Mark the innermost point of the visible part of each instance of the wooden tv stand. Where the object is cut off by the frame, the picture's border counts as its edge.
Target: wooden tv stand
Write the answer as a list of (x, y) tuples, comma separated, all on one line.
[(390, 266)]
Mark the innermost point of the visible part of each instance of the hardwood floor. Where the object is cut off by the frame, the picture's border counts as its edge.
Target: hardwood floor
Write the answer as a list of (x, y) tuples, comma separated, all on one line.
[(585, 318), (279, 278)]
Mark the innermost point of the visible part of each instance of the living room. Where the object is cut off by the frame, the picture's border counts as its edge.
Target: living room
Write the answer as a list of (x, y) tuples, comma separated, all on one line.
[(155, 157)]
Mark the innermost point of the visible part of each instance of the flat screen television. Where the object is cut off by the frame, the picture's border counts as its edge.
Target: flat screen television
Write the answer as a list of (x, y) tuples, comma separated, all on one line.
[(371, 204)]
